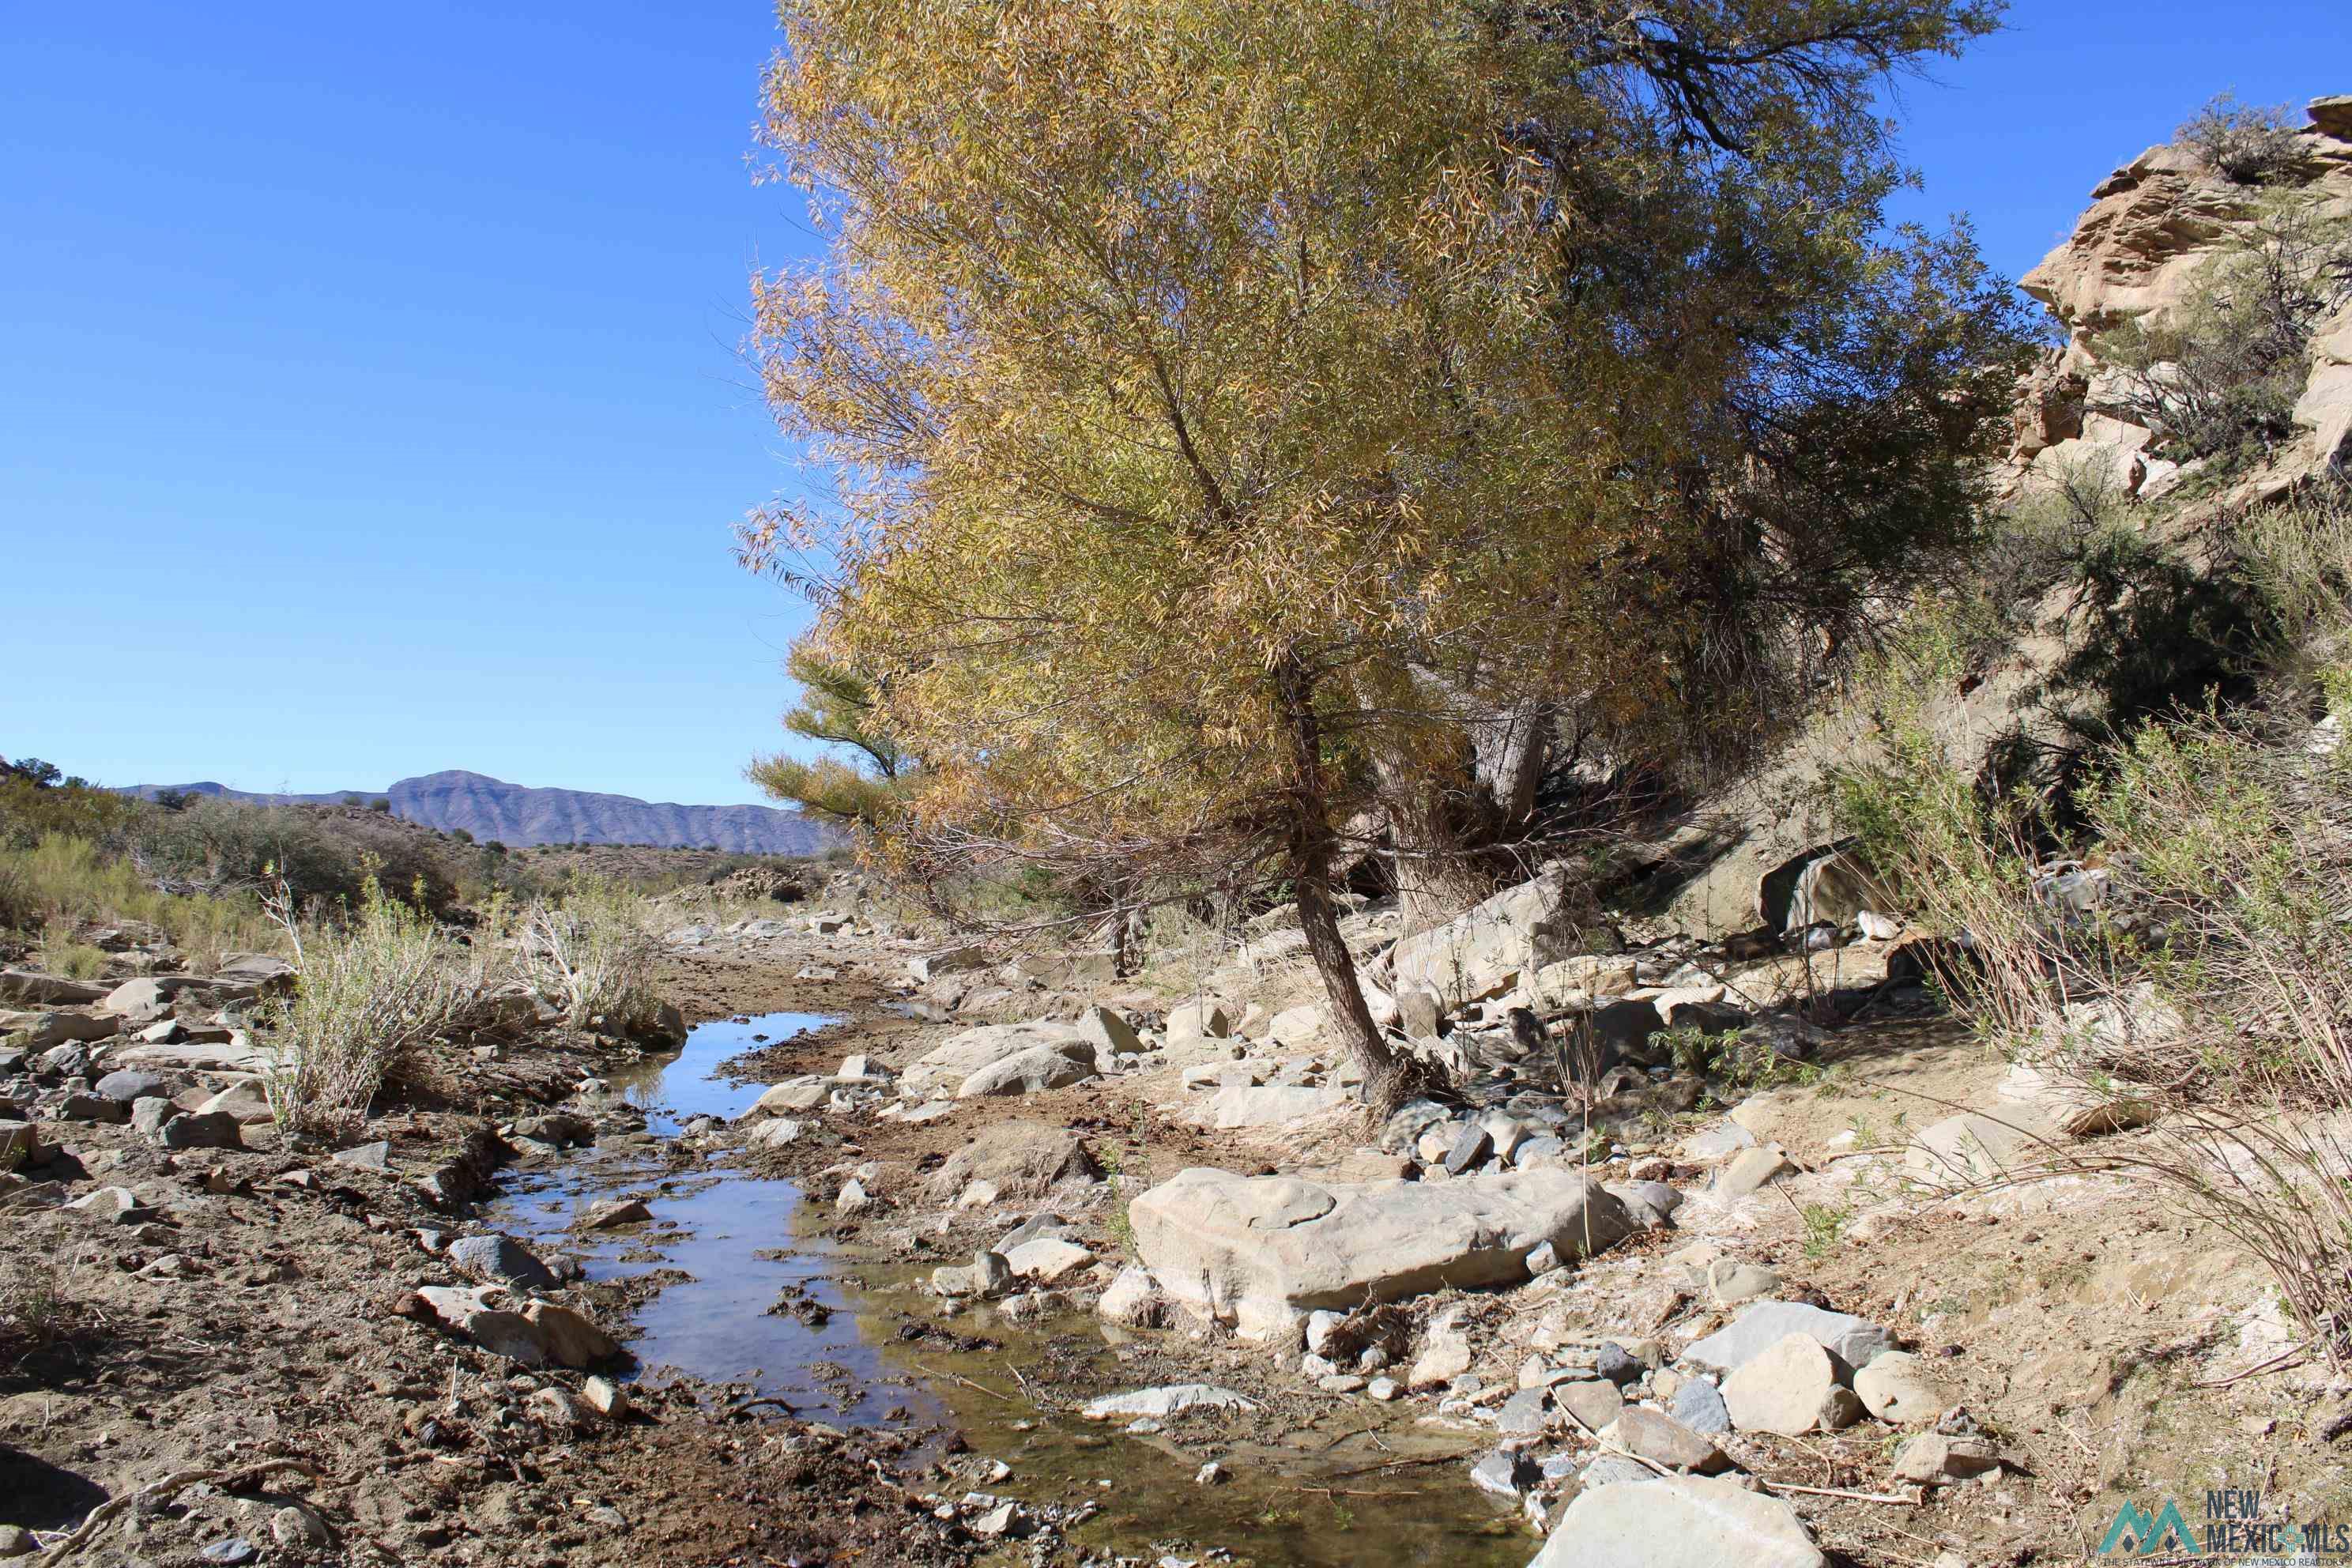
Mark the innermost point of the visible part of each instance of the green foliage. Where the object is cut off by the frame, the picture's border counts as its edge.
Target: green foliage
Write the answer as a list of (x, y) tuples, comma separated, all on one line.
[(1824, 1228), (2219, 376), (62, 954), (838, 707), (64, 882)]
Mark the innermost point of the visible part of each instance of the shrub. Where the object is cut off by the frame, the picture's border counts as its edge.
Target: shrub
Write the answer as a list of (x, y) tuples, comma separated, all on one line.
[(62, 880), (370, 995), (2210, 988), (62, 954), (591, 954), (2221, 376), (2243, 144)]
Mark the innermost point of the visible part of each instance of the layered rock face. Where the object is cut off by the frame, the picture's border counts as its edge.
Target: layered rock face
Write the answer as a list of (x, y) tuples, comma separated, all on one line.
[(2141, 254)]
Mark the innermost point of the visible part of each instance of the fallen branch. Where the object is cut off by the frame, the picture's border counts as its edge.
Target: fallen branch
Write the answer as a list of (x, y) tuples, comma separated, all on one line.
[(959, 1377), (1401, 1464), (227, 1481), (1911, 1501), (740, 1405)]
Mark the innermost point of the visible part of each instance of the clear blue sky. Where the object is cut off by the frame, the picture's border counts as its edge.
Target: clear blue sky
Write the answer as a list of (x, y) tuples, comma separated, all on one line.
[(368, 393)]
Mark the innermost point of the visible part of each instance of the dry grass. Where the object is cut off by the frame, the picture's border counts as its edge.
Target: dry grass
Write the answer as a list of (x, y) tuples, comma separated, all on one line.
[(372, 995), (60, 882), (592, 955), (2200, 965)]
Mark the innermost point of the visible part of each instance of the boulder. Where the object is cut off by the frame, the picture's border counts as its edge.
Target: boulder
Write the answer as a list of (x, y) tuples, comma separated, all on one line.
[(2044, 1098), (947, 1065), (147, 998), (210, 1130), (987, 1275), (31, 989), (1300, 1026), (804, 1093), (1446, 1351), (1901, 1388), (1274, 1105), (495, 1330), (1961, 1151), (1931, 1458), (1592, 1405), (1678, 1522), (1699, 1405), (20, 1144), (955, 960), (1032, 1071), (1261, 1252), (1853, 1341), (1205, 1020), (130, 1084), (245, 1100), (499, 1260), (1791, 1388), (1483, 952), (1750, 1170), (776, 1132), (1047, 1259), (1133, 1301), (1109, 1034), (571, 1339), (41, 1031), (1660, 1439), (1022, 1158)]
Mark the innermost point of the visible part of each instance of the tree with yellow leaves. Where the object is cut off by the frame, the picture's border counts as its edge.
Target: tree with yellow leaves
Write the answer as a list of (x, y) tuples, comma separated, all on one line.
[(1232, 406)]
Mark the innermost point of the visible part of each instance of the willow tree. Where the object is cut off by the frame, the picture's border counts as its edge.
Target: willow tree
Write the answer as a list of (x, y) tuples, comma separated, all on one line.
[(1223, 400)]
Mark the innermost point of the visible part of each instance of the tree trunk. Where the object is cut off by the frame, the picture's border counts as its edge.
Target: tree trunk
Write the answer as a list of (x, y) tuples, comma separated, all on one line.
[(1388, 1079)]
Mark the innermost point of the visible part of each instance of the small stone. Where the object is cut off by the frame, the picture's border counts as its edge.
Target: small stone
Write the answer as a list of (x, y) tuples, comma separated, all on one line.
[(1543, 1259), (571, 1338), (1662, 1440), (376, 1157), (1751, 1169), (498, 1258), (1731, 1282), (1505, 1473), (15, 1540), (1931, 1458), (234, 1550), (1340, 1382), (1211, 1474), (127, 1085), (1524, 1413), (1901, 1388), (148, 1116), (1612, 1363), (995, 1523), (853, 1198), (1320, 1324), (92, 1108), (1591, 1406), (1614, 1470), (202, 1130), (615, 1212), (1699, 1405), (1787, 1390), (606, 1398), (1383, 1389), (1472, 1144), (296, 1526)]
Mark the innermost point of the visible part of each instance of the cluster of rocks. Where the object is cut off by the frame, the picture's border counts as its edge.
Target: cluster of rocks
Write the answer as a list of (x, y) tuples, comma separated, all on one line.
[(502, 1305), (166, 1054)]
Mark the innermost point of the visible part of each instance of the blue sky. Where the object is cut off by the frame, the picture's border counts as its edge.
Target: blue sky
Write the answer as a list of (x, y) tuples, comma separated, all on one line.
[(371, 404)]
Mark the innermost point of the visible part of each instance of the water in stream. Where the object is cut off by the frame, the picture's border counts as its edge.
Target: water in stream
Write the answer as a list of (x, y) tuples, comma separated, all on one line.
[(734, 1235)]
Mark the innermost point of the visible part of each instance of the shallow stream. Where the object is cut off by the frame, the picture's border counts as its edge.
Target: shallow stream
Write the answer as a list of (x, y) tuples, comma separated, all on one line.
[(743, 1243)]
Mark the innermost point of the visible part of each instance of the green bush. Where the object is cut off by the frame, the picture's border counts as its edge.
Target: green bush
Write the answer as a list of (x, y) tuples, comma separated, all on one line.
[(2219, 378)]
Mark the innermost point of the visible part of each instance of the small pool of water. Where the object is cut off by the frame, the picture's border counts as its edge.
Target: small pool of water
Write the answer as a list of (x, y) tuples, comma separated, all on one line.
[(1317, 1505), (731, 1233)]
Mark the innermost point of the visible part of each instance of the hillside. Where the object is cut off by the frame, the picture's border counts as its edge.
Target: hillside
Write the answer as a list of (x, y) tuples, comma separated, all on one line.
[(520, 815)]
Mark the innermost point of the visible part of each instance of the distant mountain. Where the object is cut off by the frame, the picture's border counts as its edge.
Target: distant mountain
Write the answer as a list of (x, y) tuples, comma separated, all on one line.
[(518, 816)]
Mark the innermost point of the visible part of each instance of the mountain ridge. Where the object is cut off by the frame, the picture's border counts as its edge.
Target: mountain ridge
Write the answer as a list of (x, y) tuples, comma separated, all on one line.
[(523, 815)]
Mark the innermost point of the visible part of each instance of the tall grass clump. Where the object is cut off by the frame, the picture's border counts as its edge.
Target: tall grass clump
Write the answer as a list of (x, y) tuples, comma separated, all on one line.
[(2171, 944), (371, 993), (591, 954), (57, 880)]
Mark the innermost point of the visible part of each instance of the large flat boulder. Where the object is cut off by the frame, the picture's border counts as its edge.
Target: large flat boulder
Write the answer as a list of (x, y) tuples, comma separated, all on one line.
[(1483, 953), (1055, 1065), (1678, 1522), (942, 1069), (1260, 1252), (1273, 1105)]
